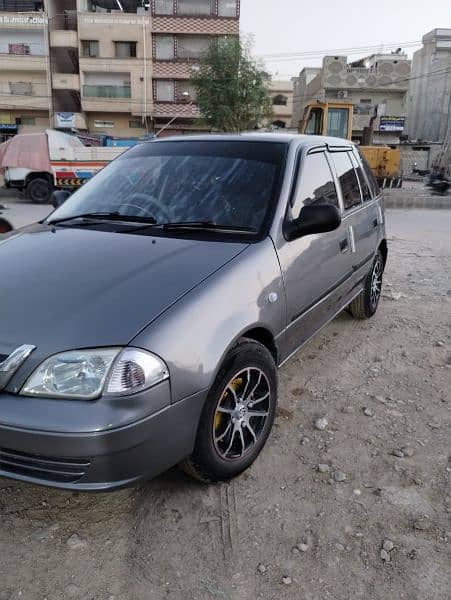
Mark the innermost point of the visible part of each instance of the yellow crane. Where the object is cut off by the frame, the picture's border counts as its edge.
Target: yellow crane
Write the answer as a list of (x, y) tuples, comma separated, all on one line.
[(335, 119)]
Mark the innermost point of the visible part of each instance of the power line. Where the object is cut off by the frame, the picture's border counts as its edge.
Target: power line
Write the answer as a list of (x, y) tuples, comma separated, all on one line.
[(351, 50)]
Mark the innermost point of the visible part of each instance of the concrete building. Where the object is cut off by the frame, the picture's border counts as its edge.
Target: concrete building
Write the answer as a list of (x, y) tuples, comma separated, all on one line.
[(429, 98), (300, 98), (376, 85), (282, 103), (120, 67)]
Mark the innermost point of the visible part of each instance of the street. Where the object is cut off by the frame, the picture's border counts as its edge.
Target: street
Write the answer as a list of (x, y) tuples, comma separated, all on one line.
[(357, 510)]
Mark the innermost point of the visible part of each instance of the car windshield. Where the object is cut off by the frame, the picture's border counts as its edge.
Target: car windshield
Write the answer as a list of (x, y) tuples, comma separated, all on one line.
[(224, 183)]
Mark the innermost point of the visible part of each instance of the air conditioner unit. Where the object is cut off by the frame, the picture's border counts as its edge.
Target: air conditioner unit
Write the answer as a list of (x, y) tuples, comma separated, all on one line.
[(342, 94)]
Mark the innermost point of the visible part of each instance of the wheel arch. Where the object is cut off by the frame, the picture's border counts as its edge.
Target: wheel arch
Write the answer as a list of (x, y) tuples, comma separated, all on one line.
[(37, 175), (264, 337)]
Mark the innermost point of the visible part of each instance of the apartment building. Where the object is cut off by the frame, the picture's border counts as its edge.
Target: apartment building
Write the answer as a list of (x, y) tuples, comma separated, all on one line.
[(282, 103), (429, 99), (376, 85), (120, 67)]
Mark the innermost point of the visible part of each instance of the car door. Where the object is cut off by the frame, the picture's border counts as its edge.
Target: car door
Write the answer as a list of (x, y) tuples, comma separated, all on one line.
[(361, 216), (316, 268)]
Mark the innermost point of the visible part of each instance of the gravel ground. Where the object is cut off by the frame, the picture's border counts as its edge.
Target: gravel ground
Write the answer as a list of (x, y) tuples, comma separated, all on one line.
[(357, 510)]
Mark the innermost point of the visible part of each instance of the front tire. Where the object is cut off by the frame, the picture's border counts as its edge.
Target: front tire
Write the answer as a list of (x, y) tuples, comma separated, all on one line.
[(39, 190), (238, 415), (366, 303)]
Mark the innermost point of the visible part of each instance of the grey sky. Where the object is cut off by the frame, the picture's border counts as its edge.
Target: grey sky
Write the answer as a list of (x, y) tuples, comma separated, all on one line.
[(290, 26)]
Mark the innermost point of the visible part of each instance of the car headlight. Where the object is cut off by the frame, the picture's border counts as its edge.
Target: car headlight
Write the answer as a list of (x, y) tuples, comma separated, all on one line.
[(86, 374)]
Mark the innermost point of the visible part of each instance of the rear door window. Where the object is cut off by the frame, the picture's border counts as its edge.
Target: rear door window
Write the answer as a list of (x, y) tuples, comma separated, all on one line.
[(366, 192), (374, 187), (315, 184), (347, 177)]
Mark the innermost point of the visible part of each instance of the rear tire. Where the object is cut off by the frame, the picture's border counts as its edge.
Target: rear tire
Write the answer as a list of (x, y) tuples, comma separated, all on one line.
[(366, 303), (39, 190), (238, 415)]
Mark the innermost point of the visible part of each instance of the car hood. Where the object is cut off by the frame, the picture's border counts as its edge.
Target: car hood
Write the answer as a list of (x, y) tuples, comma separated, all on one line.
[(65, 288)]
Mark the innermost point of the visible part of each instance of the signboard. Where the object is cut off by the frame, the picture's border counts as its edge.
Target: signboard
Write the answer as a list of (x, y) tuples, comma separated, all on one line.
[(112, 20), (22, 20), (392, 124), (65, 120), (8, 128)]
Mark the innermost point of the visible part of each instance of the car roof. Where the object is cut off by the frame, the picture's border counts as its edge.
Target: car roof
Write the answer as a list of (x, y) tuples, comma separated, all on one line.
[(287, 138)]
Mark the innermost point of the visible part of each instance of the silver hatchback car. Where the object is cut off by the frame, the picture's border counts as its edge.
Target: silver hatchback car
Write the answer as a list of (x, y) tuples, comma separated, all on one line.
[(142, 323)]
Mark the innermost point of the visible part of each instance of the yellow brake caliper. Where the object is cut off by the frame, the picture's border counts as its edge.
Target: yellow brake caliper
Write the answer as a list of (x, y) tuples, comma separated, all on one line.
[(236, 384)]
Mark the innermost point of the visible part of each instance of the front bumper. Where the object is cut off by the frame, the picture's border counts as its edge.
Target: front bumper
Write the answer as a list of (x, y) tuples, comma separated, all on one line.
[(102, 460)]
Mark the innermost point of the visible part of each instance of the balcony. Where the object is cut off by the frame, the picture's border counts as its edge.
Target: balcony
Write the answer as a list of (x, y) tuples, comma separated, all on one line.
[(175, 109), (106, 91), (65, 81), (63, 39), (19, 62), (10, 101)]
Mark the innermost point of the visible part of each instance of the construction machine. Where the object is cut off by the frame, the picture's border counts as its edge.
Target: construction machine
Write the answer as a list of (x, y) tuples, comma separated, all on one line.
[(335, 119)]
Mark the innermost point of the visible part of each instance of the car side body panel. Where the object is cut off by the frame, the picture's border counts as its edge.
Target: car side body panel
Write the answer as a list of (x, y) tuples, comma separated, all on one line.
[(245, 294)]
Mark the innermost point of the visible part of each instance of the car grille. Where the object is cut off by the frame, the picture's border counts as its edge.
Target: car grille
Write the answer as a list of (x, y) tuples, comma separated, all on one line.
[(56, 470)]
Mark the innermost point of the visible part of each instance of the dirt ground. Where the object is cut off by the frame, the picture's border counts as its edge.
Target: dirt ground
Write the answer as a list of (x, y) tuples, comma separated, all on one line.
[(287, 529)]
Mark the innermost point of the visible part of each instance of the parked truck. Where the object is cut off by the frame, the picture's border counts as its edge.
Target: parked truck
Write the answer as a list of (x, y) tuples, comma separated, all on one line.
[(335, 119), (39, 163)]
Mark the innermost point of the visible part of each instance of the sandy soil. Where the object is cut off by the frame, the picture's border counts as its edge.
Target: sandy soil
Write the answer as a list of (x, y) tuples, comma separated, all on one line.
[(285, 530)]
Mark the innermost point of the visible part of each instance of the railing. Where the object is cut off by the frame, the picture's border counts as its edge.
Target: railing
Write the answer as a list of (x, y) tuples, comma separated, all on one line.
[(64, 22), (358, 70), (106, 91)]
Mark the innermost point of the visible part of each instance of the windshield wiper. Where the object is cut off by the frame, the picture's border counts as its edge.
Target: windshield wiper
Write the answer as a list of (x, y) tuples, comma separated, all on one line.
[(107, 216), (206, 226)]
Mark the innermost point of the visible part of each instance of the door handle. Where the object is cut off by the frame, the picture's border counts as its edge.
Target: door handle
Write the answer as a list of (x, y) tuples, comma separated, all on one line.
[(344, 245)]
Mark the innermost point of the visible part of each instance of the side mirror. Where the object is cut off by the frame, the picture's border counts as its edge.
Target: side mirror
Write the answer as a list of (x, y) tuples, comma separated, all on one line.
[(315, 218), (59, 197)]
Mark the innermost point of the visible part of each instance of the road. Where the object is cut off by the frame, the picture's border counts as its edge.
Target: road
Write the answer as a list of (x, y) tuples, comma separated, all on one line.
[(285, 530)]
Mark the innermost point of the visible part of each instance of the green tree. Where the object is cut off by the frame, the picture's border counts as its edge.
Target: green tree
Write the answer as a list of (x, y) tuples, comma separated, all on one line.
[(232, 88)]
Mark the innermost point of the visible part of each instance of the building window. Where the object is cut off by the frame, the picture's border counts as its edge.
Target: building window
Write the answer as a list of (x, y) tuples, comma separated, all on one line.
[(90, 48), (125, 49), (164, 90), (194, 7), (22, 49), (135, 125), (192, 46), (280, 100), (164, 47), (104, 124), (20, 88), (28, 120), (227, 8), (164, 7)]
